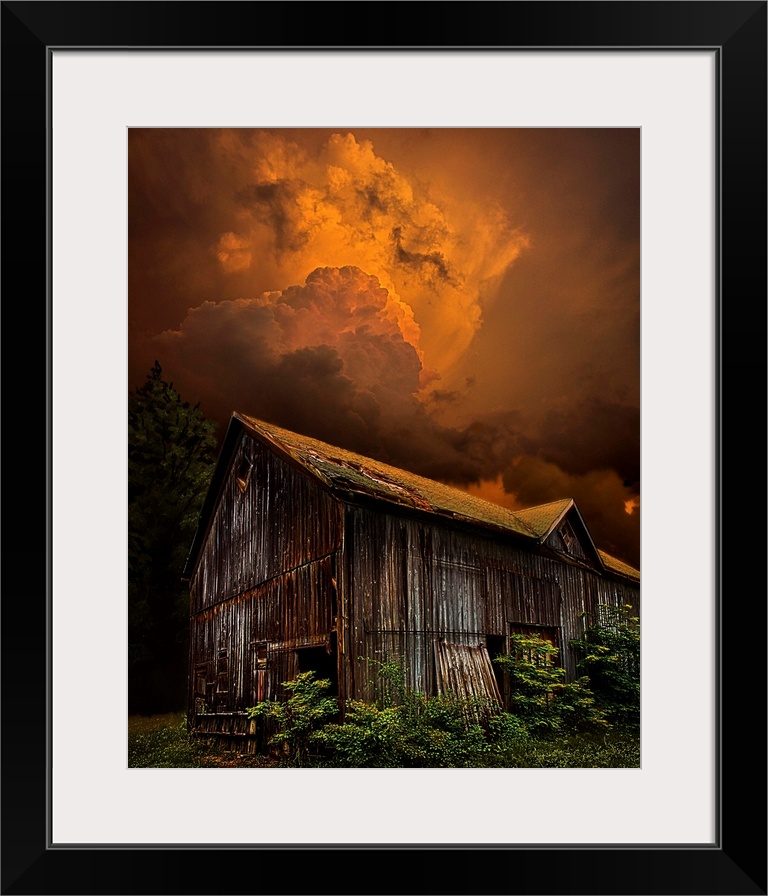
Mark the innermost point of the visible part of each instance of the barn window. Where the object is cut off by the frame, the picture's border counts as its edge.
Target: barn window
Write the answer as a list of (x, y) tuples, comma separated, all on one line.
[(260, 655), (201, 677), (222, 672), (243, 474), (569, 539), (201, 688), (541, 632)]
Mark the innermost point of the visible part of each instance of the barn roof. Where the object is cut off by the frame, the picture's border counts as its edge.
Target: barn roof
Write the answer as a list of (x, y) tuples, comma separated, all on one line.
[(543, 518), (349, 474), (346, 471), (618, 566)]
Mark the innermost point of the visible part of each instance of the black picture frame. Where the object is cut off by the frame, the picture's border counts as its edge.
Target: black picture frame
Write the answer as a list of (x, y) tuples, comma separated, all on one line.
[(736, 862)]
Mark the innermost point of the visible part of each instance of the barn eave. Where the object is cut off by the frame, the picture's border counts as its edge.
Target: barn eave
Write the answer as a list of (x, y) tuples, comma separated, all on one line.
[(353, 479)]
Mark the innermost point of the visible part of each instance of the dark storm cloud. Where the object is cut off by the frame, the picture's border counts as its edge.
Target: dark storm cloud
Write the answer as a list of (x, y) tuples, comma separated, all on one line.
[(274, 204), (439, 396), (592, 435), (308, 390), (600, 495), (325, 359), (362, 393), (378, 195)]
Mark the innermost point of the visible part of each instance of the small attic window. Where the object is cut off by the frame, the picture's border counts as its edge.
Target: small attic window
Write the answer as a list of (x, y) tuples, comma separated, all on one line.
[(568, 537), (243, 474)]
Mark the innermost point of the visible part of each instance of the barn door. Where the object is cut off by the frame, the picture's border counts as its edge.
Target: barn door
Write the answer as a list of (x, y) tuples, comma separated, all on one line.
[(466, 672), (203, 690), (322, 660), (259, 656)]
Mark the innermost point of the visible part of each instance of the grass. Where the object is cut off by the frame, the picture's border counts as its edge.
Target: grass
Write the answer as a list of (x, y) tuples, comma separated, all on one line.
[(616, 749), (162, 741)]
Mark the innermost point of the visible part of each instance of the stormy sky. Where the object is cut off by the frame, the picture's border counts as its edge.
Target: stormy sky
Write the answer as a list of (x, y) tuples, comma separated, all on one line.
[(463, 303)]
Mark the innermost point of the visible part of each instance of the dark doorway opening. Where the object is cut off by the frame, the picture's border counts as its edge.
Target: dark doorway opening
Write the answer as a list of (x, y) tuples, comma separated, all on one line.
[(322, 661), (497, 646)]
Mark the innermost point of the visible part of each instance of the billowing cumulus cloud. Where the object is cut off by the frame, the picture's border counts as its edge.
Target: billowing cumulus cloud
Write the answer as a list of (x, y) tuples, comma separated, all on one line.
[(345, 205), (463, 303), (327, 358)]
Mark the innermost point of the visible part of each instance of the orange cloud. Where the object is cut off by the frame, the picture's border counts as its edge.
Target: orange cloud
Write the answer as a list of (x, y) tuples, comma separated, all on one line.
[(440, 261)]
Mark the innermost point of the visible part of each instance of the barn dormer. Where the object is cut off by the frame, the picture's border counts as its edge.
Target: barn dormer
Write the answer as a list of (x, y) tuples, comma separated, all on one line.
[(559, 526)]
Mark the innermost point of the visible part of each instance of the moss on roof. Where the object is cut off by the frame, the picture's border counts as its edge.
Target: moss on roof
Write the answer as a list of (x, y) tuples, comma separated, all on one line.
[(541, 518), (619, 566), (346, 471)]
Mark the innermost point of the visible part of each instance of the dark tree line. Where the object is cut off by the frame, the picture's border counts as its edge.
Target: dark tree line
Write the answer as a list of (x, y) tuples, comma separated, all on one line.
[(171, 455)]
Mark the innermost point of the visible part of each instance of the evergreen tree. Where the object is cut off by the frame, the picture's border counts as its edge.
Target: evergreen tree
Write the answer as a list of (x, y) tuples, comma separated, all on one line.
[(171, 455)]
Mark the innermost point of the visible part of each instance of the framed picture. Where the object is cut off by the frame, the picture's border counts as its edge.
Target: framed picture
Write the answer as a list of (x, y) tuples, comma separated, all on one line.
[(691, 79)]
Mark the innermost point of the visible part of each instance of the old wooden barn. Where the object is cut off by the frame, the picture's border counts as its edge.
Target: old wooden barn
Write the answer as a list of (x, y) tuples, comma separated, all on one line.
[(308, 556)]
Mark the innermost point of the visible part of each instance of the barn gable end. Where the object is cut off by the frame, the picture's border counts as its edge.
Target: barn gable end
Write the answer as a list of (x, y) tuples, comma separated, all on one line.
[(560, 526), (269, 518)]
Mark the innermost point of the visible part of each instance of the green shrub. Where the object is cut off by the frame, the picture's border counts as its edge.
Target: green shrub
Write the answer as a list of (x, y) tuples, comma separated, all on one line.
[(431, 732), (296, 719), (541, 699), (372, 741), (609, 653), (364, 740), (553, 723), (405, 729)]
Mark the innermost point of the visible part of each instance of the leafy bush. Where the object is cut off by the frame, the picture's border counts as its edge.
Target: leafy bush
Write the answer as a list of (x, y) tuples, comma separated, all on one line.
[(553, 723), (365, 738), (405, 729), (297, 719), (163, 742), (428, 732), (543, 702), (609, 653)]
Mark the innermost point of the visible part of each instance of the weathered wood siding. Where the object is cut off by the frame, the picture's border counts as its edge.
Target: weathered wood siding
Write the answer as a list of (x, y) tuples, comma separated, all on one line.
[(281, 520), (290, 611), (408, 582), (264, 586)]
